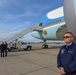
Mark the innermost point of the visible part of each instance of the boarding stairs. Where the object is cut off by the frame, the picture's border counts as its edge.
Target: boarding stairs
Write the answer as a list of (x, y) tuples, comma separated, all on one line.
[(16, 36)]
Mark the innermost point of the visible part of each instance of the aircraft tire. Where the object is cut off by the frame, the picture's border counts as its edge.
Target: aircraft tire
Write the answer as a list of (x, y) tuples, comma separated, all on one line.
[(44, 46)]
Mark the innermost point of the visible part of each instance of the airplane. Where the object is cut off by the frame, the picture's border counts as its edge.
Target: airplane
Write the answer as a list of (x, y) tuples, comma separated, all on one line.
[(53, 25)]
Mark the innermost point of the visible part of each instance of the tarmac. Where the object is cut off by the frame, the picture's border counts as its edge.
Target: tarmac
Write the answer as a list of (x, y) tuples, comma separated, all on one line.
[(38, 61)]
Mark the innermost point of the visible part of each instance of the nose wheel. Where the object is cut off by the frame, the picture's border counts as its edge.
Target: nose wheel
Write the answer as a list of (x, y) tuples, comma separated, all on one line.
[(44, 46)]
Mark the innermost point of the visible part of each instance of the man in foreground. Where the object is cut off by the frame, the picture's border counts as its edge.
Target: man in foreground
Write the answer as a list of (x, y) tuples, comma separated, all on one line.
[(66, 59)]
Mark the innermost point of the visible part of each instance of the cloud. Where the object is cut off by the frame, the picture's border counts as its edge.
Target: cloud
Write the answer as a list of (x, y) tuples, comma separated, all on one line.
[(13, 28), (30, 10), (21, 26), (4, 3), (35, 10), (11, 16)]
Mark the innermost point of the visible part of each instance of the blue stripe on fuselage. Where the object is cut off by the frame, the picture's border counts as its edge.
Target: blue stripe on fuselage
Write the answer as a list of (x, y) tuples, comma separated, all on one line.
[(46, 22)]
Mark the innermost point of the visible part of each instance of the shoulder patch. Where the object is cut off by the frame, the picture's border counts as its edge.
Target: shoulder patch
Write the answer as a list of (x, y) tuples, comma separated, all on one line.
[(62, 51)]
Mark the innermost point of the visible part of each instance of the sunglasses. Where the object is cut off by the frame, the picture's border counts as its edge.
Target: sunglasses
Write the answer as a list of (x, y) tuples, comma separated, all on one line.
[(66, 36)]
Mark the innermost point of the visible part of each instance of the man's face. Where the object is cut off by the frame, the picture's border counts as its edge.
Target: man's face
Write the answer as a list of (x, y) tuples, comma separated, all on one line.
[(68, 38)]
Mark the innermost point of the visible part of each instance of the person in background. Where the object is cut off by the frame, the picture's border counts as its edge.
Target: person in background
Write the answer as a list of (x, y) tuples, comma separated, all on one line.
[(66, 58), (6, 48), (2, 49)]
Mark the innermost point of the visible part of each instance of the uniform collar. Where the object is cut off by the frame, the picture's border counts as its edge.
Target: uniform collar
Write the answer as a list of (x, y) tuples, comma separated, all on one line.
[(70, 45)]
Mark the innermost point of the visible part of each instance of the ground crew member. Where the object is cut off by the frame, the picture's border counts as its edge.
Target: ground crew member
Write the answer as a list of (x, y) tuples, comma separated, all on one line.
[(66, 59), (2, 49)]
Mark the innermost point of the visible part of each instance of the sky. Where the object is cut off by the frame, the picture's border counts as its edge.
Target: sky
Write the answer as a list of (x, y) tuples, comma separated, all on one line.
[(17, 15)]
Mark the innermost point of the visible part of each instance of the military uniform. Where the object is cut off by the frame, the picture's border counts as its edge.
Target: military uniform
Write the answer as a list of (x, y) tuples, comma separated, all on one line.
[(67, 59)]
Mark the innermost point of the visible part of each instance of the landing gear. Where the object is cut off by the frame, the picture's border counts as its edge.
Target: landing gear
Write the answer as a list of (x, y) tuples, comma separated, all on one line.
[(44, 45)]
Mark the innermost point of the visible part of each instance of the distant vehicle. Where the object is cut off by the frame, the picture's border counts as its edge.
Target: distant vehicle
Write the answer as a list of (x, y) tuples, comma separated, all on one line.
[(27, 46), (20, 45)]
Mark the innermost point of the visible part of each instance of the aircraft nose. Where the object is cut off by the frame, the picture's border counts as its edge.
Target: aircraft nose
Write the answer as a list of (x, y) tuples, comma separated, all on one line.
[(36, 34)]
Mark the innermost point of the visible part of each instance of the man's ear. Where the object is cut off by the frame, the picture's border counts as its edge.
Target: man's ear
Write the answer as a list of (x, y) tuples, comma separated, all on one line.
[(72, 38)]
